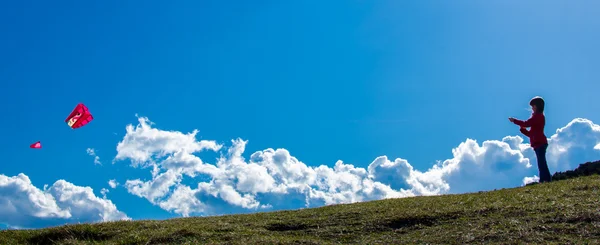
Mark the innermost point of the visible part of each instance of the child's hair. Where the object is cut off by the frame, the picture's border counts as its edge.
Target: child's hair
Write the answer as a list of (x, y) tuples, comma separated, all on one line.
[(538, 102)]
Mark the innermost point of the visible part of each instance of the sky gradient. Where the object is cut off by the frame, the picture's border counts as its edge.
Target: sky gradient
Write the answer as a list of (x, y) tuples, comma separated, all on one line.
[(207, 107)]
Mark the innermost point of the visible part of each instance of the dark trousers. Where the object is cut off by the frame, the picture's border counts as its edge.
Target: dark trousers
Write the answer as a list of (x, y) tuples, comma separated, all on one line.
[(540, 153)]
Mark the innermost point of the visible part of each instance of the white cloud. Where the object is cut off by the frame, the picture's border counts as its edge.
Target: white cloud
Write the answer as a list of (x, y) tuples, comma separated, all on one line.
[(273, 178), (143, 143), (92, 152), (113, 183), (156, 188), (575, 143), (528, 180), (24, 205)]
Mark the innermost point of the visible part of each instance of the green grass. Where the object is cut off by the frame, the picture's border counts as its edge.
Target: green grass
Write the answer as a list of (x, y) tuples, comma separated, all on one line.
[(560, 212)]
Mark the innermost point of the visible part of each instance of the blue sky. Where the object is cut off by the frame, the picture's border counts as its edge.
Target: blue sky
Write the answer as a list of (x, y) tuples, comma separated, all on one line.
[(327, 81)]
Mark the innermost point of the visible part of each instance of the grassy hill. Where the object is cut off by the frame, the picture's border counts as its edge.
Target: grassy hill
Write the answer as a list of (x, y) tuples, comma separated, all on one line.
[(566, 211)]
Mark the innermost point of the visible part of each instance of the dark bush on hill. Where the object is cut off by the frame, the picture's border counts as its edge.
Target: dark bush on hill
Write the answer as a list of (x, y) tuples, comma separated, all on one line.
[(585, 169)]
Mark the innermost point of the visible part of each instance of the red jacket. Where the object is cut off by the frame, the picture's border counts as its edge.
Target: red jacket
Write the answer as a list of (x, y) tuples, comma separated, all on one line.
[(536, 135)]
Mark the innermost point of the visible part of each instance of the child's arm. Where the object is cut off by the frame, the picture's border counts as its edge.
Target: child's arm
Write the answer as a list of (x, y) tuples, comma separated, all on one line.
[(528, 123), (524, 131)]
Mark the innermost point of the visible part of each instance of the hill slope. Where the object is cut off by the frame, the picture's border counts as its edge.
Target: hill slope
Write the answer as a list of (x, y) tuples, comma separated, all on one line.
[(563, 212)]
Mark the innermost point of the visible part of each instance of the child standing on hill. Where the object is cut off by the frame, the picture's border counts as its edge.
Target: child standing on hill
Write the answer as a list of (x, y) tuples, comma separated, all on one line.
[(537, 138)]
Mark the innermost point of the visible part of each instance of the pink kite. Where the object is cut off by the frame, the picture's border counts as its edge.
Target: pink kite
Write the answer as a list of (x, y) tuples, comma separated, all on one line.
[(36, 145), (79, 117)]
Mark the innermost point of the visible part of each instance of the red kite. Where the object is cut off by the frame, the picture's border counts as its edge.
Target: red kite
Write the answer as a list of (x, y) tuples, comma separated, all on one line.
[(36, 145), (79, 117)]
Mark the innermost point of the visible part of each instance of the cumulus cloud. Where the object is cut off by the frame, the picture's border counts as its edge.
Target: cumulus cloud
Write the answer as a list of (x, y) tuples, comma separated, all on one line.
[(22, 205), (275, 179), (143, 143), (575, 143), (92, 152)]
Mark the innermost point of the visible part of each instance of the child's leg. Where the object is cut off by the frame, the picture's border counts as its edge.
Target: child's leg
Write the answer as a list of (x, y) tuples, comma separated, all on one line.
[(540, 153)]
